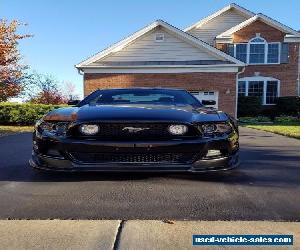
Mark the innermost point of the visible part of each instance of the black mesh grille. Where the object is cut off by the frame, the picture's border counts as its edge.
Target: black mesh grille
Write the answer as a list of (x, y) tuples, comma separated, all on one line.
[(135, 131), (171, 158), (125, 130)]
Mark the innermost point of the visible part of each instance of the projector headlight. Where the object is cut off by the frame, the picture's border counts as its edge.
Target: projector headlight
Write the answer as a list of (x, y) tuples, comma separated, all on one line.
[(209, 128), (216, 128), (89, 129), (178, 129), (54, 128)]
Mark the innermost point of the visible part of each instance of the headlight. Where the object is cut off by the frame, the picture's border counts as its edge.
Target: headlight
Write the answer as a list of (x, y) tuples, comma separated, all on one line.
[(209, 128), (55, 128), (216, 128), (178, 129), (89, 129)]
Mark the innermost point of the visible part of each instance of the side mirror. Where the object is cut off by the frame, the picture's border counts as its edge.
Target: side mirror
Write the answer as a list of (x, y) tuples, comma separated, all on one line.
[(208, 102), (73, 102)]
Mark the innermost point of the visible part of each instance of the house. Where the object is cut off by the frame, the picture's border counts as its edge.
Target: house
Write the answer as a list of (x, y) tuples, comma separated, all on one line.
[(233, 52)]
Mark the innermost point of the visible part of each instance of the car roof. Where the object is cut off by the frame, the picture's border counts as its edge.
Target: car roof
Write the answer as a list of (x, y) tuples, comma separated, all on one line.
[(143, 88)]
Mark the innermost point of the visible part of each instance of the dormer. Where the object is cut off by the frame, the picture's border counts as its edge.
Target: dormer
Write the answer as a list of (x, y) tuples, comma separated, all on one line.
[(208, 28), (272, 30)]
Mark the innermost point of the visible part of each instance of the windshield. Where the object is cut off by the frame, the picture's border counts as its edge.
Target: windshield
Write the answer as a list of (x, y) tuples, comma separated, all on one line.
[(141, 96)]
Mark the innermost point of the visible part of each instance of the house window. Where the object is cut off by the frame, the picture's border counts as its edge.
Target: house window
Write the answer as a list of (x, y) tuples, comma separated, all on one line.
[(264, 87), (256, 88), (241, 52), (209, 93), (159, 37), (272, 90), (242, 88), (258, 51), (273, 52)]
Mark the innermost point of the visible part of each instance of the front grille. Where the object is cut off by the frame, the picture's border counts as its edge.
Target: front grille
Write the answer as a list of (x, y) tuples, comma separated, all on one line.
[(124, 131), (171, 158), (117, 130)]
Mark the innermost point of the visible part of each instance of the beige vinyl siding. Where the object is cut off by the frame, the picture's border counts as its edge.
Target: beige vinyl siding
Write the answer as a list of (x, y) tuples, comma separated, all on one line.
[(208, 31), (147, 49)]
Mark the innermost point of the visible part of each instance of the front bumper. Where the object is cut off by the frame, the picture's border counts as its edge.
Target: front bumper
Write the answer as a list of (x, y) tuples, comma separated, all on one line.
[(62, 162)]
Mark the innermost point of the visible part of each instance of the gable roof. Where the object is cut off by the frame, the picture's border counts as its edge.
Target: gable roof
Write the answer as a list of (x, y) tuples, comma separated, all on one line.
[(263, 18), (234, 6), (184, 36)]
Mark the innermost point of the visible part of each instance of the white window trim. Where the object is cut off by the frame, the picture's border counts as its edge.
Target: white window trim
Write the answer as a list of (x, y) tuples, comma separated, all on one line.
[(266, 50), (260, 79)]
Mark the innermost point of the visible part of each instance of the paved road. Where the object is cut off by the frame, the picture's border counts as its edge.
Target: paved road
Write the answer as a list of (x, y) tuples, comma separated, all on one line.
[(265, 187)]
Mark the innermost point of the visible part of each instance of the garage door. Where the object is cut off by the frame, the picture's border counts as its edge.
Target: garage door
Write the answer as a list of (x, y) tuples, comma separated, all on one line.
[(207, 95)]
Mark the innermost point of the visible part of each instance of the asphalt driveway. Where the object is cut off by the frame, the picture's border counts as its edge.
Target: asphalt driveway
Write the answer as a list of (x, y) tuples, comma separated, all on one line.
[(265, 187)]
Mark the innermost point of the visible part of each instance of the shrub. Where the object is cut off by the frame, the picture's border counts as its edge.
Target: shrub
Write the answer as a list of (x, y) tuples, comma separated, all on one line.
[(286, 119), (269, 111), (258, 119), (285, 106), (249, 106), (23, 114), (288, 105)]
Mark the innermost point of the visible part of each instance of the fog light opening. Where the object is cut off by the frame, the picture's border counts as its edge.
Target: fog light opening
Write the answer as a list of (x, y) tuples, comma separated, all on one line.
[(213, 153), (53, 152)]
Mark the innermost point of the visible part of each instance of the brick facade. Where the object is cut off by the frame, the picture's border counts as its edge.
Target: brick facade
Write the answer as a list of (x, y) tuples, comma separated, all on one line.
[(222, 82), (266, 31), (287, 73)]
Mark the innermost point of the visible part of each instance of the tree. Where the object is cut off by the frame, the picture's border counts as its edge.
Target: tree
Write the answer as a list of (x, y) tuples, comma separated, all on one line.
[(49, 97), (69, 89), (41, 88), (11, 69)]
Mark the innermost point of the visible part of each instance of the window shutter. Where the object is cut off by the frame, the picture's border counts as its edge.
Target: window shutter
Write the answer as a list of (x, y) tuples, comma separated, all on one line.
[(230, 49), (284, 56)]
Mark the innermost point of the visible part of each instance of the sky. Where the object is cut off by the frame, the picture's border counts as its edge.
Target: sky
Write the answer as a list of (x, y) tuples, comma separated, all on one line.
[(67, 32)]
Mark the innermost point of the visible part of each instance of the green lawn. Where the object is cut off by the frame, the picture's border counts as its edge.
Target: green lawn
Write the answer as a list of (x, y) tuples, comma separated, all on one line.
[(287, 129), (7, 130)]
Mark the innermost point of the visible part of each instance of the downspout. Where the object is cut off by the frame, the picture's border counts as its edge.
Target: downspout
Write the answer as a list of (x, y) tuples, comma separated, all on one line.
[(298, 84), (80, 72), (236, 89)]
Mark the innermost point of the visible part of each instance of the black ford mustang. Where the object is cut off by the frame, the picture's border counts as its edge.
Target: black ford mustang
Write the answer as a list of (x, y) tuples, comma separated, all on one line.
[(137, 129)]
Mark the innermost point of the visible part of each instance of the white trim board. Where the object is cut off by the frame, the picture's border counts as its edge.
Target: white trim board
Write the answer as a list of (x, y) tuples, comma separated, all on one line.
[(159, 70), (258, 78), (291, 39)]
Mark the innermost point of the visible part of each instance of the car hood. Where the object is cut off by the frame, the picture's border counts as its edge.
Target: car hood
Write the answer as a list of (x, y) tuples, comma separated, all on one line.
[(174, 113)]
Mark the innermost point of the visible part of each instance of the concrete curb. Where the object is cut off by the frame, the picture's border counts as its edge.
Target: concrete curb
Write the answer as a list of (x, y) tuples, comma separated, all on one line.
[(133, 234), (160, 235), (57, 234)]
